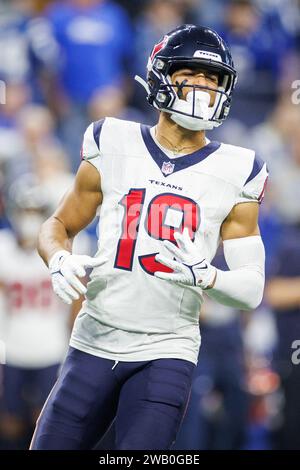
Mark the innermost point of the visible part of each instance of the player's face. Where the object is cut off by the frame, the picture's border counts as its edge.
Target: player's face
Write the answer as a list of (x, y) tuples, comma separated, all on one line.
[(202, 77)]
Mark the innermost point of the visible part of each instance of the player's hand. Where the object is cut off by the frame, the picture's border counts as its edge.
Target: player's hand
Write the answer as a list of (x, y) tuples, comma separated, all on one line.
[(65, 269), (190, 266)]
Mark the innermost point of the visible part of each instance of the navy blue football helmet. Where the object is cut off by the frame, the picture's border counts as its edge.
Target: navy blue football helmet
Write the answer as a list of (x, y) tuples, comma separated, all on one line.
[(193, 47)]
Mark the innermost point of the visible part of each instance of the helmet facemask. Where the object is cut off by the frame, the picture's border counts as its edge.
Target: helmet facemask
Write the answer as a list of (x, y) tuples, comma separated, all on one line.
[(195, 112)]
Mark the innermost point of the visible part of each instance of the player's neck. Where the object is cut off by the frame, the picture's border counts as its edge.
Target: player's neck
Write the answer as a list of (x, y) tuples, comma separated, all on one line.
[(176, 138)]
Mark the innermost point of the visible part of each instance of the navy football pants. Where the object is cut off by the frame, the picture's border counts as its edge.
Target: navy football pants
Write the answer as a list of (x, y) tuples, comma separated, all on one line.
[(147, 399)]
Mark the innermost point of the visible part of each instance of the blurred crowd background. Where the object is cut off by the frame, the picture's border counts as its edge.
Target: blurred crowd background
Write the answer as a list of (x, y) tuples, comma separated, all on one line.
[(64, 64)]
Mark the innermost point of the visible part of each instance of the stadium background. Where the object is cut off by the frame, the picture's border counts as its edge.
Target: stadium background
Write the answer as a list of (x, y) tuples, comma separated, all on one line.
[(64, 64)]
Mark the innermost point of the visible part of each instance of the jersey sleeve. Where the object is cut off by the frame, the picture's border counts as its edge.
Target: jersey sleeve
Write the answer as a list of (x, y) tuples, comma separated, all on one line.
[(91, 150), (254, 187)]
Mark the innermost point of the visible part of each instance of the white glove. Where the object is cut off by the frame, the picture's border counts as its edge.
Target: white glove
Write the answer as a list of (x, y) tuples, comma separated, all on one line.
[(65, 268), (190, 268)]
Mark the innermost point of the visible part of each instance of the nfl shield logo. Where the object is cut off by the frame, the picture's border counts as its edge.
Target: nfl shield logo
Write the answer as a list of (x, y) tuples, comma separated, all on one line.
[(167, 168)]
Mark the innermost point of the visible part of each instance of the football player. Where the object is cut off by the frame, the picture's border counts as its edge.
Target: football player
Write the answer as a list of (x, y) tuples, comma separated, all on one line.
[(34, 323), (167, 196)]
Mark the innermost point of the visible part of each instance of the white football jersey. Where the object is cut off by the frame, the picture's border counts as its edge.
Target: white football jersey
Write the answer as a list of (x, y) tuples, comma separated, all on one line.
[(128, 313), (34, 323)]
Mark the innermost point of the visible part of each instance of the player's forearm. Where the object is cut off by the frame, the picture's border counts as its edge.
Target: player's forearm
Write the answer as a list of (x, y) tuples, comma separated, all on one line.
[(241, 288), (53, 237)]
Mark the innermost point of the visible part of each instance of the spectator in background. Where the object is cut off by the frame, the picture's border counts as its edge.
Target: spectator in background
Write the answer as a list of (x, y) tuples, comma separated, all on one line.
[(136, 7), (278, 142), (133, 7), (210, 14), (11, 148), (260, 46), (28, 51), (30, 145), (29, 312), (113, 101), (283, 295), (17, 95), (34, 324), (47, 158), (96, 42), (287, 12), (156, 18), (272, 140)]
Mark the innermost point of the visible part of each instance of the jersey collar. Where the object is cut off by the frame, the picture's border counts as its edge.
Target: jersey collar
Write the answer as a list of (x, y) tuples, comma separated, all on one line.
[(171, 165)]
